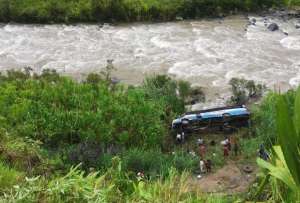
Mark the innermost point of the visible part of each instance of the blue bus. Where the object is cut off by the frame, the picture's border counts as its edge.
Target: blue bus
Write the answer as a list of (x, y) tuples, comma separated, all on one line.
[(216, 118)]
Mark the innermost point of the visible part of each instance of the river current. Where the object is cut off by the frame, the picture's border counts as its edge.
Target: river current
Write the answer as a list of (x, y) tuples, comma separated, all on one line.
[(207, 53)]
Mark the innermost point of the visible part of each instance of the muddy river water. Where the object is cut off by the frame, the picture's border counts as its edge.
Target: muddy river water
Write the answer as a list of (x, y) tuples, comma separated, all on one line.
[(207, 53)]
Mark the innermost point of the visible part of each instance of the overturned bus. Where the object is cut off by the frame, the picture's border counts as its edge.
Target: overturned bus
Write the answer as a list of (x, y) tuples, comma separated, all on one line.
[(213, 119)]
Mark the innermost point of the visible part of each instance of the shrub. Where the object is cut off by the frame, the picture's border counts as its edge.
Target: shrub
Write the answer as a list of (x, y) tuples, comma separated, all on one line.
[(58, 110), (86, 153), (155, 163), (264, 116), (21, 153), (8, 177), (245, 90), (149, 162), (172, 93)]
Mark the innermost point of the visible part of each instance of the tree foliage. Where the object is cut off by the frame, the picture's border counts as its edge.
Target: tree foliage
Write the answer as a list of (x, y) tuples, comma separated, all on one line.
[(245, 90), (59, 110), (68, 11)]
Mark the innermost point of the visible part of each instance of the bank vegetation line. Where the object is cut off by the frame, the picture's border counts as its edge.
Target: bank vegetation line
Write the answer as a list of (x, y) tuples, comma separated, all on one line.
[(74, 11)]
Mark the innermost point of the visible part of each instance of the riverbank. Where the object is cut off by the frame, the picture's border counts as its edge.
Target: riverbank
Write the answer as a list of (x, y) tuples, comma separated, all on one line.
[(74, 11)]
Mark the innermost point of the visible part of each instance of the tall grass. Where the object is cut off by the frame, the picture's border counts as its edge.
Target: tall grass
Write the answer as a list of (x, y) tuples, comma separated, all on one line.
[(112, 186), (8, 177)]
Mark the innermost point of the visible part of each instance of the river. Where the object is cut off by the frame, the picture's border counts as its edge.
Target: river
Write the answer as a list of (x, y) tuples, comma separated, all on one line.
[(207, 53)]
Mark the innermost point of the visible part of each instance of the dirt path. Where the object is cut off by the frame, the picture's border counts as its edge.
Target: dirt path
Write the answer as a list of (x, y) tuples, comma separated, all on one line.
[(231, 179)]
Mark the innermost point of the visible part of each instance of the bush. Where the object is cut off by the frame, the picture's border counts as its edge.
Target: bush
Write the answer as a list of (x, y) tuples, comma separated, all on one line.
[(21, 153), (155, 163), (171, 93), (150, 161), (57, 110), (8, 177), (245, 90), (264, 116)]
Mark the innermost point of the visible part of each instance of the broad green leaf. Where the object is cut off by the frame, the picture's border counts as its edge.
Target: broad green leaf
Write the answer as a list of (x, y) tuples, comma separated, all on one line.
[(284, 175), (287, 139), (264, 164), (297, 115), (278, 172), (278, 151)]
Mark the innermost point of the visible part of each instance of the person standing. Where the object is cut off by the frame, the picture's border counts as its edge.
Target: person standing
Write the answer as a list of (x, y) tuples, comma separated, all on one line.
[(208, 164), (202, 150), (236, 147), (200, 141), (263, 154), (225, 151), (227, 140), (202, 165), (182, 136)]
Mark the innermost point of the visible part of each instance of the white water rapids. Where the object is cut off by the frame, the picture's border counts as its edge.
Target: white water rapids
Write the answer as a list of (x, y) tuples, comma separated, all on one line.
[(207, 53)]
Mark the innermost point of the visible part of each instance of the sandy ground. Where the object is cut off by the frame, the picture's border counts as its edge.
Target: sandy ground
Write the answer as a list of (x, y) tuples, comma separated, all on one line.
[(231, 179)]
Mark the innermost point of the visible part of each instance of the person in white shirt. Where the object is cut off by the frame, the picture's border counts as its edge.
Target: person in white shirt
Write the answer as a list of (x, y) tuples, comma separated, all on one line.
[(202, 166)]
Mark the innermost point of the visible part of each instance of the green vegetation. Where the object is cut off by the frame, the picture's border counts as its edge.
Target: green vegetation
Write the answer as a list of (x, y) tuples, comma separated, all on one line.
[(8, 177), (68, 11), (292, 3), (58, 110), (282, 173), (112, 186), (49, 123), (111, 132), (245, 91), (264, 116)]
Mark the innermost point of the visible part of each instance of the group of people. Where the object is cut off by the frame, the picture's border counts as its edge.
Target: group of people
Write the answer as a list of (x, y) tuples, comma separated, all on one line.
[(228, 145)]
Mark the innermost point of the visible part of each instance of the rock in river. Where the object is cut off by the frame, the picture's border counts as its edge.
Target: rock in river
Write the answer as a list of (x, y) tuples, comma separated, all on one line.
[(273, 27)]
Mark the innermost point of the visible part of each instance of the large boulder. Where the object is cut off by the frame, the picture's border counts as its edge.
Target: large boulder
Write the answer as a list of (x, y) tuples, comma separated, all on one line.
[(273, 27), (253, 21)]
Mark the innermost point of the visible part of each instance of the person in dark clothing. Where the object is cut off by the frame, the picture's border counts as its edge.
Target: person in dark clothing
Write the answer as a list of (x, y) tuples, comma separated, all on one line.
[(213, 143), (229, 146), (263, 154), (208, 164), (225, 151), (202, 151), (236, 149)]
